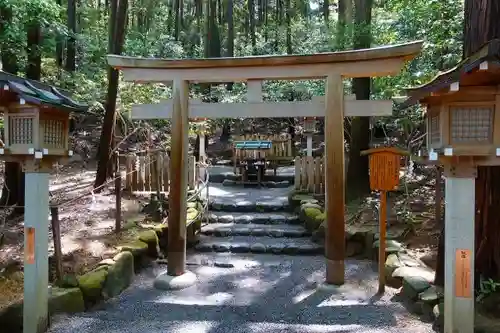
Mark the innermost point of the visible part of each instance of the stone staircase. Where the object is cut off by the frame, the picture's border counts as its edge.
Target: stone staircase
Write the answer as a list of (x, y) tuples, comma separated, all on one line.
[(250, 220)]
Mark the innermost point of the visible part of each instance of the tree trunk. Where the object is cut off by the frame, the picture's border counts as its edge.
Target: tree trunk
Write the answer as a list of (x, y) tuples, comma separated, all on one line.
[(277, 21), (266, 23), (60, 43), (177, 20), (487, 222), (326, 10), (480, 24), (117, 38), (220, 11), (439, 277), (251, 18), (357, 171), (33, 67), (8, 47), (344, 24), (230, 34), (289, 48), (71, 46)]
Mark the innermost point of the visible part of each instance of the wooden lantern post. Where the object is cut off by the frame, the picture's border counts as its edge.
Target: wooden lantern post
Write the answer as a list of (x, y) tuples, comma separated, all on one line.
[(309, 129), (36, 136), (384, 176), (201, 127)]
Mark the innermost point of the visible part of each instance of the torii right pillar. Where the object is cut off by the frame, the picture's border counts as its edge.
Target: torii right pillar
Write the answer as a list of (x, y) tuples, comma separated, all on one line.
[(334, 180)]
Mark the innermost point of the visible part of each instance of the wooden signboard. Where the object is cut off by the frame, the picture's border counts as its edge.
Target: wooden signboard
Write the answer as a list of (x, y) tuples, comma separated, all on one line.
[(29, 250), (384, 176), (462, 273)]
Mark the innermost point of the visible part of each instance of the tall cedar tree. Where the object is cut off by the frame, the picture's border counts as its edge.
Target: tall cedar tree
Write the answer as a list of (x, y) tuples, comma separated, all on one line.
[(118, 18)]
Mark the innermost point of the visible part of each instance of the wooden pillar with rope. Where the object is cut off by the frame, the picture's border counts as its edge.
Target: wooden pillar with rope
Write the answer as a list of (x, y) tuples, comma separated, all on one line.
[(176, 276)]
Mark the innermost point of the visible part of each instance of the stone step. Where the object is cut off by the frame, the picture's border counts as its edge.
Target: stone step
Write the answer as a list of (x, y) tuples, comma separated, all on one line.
[(234, 229), (249, 206), (264, 244), (253, 218)]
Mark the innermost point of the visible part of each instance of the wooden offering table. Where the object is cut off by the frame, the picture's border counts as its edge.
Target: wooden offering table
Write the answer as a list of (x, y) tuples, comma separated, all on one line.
[(249, 157)]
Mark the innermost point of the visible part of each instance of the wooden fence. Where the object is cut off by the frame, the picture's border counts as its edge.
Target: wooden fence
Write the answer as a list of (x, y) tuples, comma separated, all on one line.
[(310, 174), (150, 171)]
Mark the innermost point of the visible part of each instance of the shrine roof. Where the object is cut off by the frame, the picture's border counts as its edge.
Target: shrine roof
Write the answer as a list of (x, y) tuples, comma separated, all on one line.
[(467, 73), (406, 50), (36, 92)]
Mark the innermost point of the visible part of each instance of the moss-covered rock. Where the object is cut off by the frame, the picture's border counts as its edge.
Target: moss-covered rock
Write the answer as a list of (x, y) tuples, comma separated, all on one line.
[(422, 272), (68, 281), (151, 239), (409, 261), (353, 248), (431, 296), (192, 214), (414, 285), (294, 198), (391, 263), (106, 262), (438, 312), (11, 318), (311, 216), (91, 284), (137, 248), (391, 246), (66, 300), (120, 275), (192, 204)]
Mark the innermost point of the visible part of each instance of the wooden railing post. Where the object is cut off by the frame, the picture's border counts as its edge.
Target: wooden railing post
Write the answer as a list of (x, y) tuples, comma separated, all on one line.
[(56, 235), (118, 195)]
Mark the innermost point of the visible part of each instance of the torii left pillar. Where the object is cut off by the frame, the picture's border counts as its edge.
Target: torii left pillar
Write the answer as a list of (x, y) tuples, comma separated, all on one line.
[(36, 250), (176, 276)]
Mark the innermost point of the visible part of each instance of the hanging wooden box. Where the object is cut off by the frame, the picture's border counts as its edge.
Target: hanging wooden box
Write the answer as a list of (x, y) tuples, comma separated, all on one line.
[(384, 168)]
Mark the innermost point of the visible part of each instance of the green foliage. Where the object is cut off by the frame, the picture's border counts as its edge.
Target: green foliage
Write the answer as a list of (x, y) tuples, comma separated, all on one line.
[(487, 287), (150, 33)]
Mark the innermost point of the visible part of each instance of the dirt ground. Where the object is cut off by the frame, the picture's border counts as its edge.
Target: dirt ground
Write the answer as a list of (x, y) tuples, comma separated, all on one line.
[(86, 222)]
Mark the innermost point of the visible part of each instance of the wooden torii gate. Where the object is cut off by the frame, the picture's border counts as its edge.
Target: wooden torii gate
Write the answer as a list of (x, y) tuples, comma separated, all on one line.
[(333, 67)]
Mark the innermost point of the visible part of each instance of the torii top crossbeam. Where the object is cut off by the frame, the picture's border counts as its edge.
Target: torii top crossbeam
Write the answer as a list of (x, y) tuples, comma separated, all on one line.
[(380, 61)]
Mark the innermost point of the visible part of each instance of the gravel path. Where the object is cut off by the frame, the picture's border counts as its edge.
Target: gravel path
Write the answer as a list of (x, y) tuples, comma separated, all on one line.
[(259, 293)]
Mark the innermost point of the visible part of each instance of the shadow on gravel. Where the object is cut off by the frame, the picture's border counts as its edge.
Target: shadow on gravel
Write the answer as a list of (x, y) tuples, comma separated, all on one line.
[(275, 295)]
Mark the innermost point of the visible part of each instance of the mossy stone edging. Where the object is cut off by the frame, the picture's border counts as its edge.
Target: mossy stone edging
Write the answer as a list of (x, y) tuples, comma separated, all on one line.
[(312, 215), (61, 300), (108, 279)]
